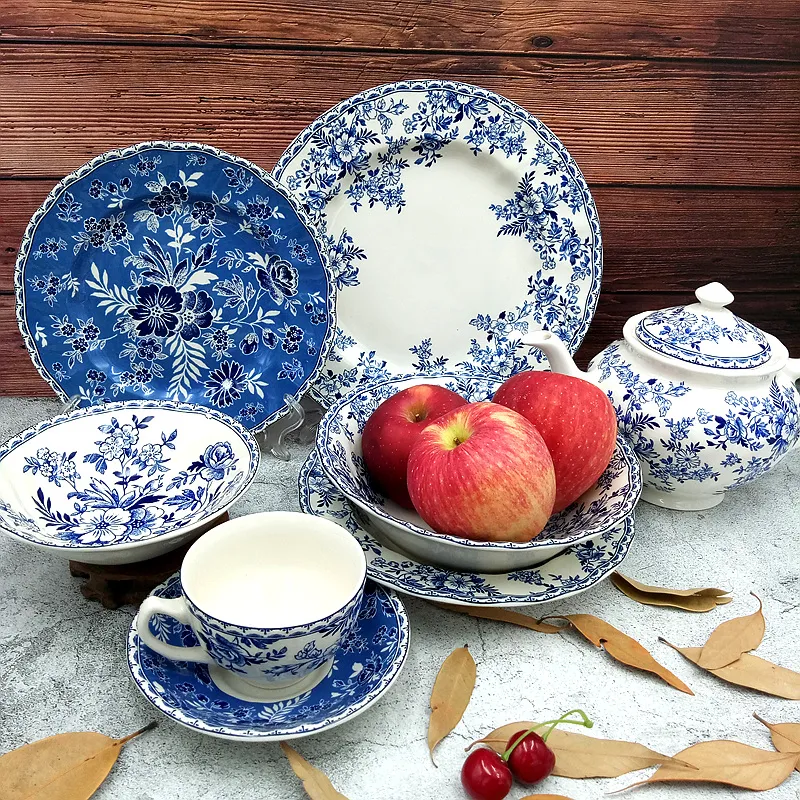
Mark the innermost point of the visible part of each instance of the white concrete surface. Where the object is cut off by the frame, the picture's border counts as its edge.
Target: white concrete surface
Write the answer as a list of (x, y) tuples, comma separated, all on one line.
[(62, 663)]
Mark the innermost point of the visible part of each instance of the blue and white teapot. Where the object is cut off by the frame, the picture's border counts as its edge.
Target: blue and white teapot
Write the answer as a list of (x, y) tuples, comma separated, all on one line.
[(707, 400)]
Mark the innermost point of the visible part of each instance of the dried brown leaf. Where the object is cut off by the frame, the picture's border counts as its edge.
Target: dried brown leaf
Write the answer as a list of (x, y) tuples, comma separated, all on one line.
[(580, 756), (751, 672), (451, 693), (545, 797), (643, 587), (68, 766), (503, 615), (695, 600), (734, 637), (622, 647), (315, 782), (785, 736), (731, 763)]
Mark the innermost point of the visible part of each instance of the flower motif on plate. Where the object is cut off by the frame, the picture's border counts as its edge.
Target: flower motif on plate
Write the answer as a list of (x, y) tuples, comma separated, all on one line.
[(180, 271)]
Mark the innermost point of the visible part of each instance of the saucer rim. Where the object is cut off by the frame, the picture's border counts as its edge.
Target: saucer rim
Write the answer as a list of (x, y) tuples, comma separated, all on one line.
[(134, 643)]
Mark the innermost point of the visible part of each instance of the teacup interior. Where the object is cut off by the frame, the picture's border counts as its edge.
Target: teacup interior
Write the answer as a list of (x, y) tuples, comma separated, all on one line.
[(273, 570)]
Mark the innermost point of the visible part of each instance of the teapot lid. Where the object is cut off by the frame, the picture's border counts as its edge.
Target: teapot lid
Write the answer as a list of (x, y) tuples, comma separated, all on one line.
[(705, 333)]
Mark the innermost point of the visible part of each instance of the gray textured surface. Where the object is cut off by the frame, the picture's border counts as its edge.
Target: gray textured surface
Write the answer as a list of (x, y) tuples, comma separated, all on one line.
[(62, 663)]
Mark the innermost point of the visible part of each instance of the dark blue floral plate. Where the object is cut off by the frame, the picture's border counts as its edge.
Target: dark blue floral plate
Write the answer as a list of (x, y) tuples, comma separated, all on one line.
[(176, 271), (367, 664), (453, 221)]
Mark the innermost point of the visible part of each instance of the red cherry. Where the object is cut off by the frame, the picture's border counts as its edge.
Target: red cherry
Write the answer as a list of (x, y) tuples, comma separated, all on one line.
[(485, 776), (531, 760)]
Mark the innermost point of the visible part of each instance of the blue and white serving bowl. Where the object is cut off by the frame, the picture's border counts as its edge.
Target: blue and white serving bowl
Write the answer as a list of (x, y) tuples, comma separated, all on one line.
[(123, 482), (574, 570), (603, 507)]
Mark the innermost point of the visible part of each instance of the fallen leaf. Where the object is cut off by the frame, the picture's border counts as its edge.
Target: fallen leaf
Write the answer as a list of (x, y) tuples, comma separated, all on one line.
[(734, 637), (68, 766), (696, 600), (580, 756), (621, 647), (751, 672), (785, 736), (503, 615), (315, 782), (545, 797), (450, 696), (731, 763)]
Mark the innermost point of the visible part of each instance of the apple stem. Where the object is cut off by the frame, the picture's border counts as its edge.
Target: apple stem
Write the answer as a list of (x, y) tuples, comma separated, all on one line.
[(552, 723)]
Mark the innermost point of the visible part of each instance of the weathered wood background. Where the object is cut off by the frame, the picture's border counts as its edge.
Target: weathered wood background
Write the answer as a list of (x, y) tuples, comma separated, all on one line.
[(684, 116)]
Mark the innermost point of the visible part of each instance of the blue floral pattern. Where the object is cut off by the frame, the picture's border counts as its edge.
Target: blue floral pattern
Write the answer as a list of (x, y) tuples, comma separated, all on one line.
[(178, 270), (133, 474), (339, 447), (698, 338), (362, 152), (369, 661), (295, 651), (578, 567), (679, 443)]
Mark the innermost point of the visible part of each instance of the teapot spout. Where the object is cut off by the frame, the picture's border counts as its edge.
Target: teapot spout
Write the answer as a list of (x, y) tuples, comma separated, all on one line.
[(556, 352)]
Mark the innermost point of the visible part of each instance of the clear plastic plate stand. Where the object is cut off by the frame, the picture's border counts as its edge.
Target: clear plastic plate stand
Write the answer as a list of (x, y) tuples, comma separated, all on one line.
[(71, 404), (301, 416), (273, 439)]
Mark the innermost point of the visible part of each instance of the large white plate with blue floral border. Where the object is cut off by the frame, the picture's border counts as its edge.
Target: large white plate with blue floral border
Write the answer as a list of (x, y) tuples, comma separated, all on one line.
[(174, 270), (453, 221), (367, 664), (573, 571)]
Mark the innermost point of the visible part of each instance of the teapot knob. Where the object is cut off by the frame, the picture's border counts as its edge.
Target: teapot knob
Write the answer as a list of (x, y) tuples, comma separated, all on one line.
[(714, 296)]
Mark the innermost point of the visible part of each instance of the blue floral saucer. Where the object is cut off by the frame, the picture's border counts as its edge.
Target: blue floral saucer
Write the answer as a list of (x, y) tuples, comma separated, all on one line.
[(572, 571), (367, 664), (453, 222), (176, 271)]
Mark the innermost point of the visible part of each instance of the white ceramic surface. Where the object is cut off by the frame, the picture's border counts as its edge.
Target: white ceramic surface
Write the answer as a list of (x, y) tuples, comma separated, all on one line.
[(707, 401), (454, 221), (601, 508), (123, 482), (269, 597)]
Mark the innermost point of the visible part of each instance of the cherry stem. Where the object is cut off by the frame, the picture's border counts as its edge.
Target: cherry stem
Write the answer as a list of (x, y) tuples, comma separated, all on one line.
[(552, 723)]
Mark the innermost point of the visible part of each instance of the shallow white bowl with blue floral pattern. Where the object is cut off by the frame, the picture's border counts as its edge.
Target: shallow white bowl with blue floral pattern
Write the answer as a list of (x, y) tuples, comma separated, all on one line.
[(123, 482), (574, 570), (601, 508)]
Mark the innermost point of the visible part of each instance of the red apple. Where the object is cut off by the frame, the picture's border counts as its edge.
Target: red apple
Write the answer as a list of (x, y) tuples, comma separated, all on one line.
[(482, 472), (577, 423), (393, 428)]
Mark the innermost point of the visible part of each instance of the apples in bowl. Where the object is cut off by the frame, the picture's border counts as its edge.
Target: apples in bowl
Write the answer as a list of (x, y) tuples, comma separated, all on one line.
[(339, 443)]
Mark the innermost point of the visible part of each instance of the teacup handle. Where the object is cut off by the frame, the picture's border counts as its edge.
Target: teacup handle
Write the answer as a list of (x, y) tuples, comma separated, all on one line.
[(177, 609)]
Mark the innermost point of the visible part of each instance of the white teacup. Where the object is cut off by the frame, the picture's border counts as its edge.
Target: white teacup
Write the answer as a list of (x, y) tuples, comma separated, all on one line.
[(269, 596)]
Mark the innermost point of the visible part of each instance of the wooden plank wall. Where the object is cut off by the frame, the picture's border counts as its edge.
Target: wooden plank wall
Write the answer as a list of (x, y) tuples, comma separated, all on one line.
[(684, 117)]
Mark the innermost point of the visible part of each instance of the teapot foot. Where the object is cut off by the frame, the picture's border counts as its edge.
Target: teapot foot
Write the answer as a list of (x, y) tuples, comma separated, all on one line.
[(682, 501)]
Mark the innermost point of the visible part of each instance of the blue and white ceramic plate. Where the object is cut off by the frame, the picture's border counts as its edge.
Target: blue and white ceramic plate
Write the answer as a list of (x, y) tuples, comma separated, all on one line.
[(453, 221), (367, 664), (605, 505), (574, 570), (176, 271), (123, 482)]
